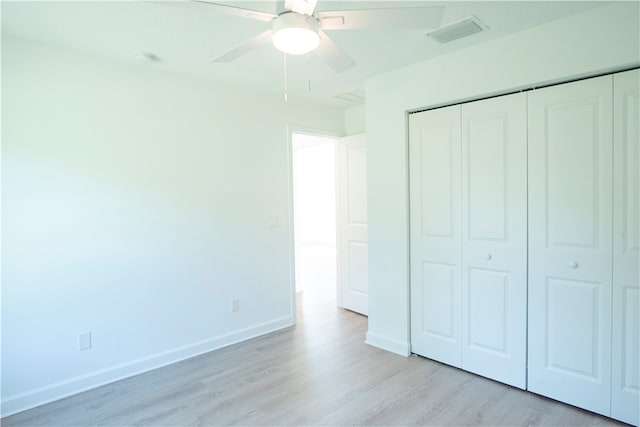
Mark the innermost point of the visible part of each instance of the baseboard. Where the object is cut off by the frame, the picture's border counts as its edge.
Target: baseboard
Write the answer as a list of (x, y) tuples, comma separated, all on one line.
[(389, 344), (52, 392)]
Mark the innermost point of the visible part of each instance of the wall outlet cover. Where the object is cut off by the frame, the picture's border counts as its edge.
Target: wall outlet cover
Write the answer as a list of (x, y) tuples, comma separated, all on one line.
[(84, 341)]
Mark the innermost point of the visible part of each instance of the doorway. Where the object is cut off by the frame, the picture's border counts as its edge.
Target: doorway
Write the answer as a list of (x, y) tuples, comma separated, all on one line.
[(314, 217)]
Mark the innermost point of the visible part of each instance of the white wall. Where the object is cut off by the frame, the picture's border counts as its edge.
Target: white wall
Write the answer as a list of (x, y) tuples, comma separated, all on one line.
[(355, 120), (136, 204), (596, 41)]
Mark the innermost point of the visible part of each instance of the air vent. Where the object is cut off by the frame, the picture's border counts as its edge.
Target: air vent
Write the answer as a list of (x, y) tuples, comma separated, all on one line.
[(354, 97), (457, 30)]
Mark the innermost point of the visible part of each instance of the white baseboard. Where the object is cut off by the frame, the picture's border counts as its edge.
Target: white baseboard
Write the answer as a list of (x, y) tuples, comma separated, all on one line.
[(402, 348), (49, 393)]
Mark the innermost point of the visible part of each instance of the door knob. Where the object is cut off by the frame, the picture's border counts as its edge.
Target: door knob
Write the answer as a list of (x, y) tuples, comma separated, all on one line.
[(573, 264), (488, 257)]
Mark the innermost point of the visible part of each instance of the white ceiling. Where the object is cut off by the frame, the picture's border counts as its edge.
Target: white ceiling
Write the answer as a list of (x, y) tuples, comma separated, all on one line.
[(187, 35)]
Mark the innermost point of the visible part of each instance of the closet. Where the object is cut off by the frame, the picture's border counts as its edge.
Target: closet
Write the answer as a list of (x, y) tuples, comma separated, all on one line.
[(468, 239), (524, 235)]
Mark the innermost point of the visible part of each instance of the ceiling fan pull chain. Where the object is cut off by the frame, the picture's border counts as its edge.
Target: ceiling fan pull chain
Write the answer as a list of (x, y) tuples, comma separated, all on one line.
[(285, 78), (309, 70)]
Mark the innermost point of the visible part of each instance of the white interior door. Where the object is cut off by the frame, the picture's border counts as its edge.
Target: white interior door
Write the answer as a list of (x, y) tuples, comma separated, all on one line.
[(353, 282), (570, 242), (434, 191), (625, 387), (494, 238)]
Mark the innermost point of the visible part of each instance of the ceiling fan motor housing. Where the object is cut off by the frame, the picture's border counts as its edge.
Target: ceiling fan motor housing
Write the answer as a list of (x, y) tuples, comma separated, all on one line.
[(295, 33)]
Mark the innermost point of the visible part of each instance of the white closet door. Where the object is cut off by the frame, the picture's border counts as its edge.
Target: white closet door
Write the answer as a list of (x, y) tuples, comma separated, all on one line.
[(434, 173), (353, 281), (625, 387), (494, 238), (570, 242)]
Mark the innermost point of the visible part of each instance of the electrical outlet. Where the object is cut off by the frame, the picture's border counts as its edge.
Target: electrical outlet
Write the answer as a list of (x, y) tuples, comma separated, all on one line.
[(235, 305), (84, 341)]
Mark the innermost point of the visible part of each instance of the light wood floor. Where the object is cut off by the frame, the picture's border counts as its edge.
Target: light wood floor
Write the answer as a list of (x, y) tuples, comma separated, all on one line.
[(317, 373)]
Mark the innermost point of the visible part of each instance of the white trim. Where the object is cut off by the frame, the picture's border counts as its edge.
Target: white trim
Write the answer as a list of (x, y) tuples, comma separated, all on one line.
[(312, 131), (49, 393), (339, 153), (403, 348), (290, 223)]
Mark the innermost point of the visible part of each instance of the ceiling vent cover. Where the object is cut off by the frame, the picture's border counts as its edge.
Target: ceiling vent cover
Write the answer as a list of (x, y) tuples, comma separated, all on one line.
[(456, 30), (354, 97)]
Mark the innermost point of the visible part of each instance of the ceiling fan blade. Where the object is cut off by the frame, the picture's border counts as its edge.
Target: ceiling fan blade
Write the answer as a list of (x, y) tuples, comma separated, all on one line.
[(305, 7), (257, 41), (332, 55), (399, 18), (238, 11)]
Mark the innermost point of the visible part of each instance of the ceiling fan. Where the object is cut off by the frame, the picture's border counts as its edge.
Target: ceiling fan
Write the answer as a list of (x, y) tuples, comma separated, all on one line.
[(300, 29)]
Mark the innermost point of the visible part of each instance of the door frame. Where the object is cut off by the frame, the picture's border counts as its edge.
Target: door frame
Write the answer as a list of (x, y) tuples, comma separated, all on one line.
[(295, 129)]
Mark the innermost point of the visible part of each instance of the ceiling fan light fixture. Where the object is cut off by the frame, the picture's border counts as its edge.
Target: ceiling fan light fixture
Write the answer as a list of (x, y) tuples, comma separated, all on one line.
[(295, 34)]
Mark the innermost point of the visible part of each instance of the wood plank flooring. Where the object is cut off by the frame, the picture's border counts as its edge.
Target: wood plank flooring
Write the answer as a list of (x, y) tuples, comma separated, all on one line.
[(319, 372)]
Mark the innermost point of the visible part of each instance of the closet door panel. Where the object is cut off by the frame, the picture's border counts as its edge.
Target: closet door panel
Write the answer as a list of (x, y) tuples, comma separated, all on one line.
[(625, 389), (570, 242), (494, 238), (434, 173)]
